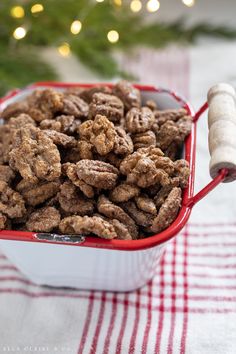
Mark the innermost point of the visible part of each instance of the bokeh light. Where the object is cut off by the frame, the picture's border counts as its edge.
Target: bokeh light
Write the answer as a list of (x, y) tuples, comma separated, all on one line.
[(17, 12), (113, 36), (75, 27), (19, 33), (135, 5), (153, 5), (64, 49)]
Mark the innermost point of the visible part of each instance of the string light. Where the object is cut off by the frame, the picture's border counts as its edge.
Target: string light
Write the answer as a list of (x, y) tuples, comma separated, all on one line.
[(153, 5), (19, 33), (17, 12), (75, 27), (118, 2), (188, 3), (37, 8), (64, 49), (113, 36), (135, 5)]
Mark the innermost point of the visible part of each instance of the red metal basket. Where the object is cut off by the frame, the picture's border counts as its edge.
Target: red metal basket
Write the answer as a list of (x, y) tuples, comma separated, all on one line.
[(189, 199)]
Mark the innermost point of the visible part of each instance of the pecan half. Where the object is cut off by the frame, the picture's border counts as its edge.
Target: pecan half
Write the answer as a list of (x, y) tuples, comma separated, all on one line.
[(73, 201), (34, 155), (100, 133), (139, 120), (112, 211), (85, 225), (124, 192), (107, 105), (11, 203), (168, 211), (98, 174), (37, 193), (44, 220), (128, 94)]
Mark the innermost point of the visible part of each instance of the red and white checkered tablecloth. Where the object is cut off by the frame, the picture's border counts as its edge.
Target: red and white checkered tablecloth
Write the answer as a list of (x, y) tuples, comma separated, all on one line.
[(188, 307)]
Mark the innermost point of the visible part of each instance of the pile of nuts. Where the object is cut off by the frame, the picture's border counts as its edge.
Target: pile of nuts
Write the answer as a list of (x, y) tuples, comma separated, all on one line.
[(91, 161)]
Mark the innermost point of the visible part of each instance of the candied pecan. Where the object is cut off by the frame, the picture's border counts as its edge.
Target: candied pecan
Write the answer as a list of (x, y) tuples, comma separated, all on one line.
[(146, 167), (139, 120), (24, 218), (87, 94), (3, 221), (75, 106), (151, 104), (11, 202), (6, 173), (7, 132), (37, 193), (168, 211), (6, 139), (167, 134), (98, 174), (123, 143), (73, 201), (60, 138), (63, 124), (44, 220), (107, 105), (143, 140), (182, 172), (50, 124), (172, 151), (169, 115), (21, 121), (140, 217), (86, 130), (70, 170), (128, 94), (100, 132), (184, 125), (85, 150), (112, 211), (69, 125), (34, 155), (146, 204), (163, 193), (121, 230), (14, 109), (85, 225), (44, 104), (124, 192)]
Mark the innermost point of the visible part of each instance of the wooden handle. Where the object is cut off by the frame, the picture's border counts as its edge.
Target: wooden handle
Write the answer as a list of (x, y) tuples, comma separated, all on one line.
[(222, 130)]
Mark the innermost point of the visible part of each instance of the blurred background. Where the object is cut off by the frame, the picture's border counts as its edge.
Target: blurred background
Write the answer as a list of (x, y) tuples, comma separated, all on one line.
[(185, 45), (89, 40)]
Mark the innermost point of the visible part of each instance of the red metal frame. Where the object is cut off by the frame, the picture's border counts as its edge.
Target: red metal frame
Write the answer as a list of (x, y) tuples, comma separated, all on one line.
[(188, 198)]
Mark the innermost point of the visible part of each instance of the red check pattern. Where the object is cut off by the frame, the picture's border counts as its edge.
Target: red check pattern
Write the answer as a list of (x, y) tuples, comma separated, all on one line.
[(195, 283)]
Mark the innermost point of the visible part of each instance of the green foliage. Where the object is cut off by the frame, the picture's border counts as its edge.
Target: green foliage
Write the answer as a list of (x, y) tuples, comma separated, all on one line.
[(20, 67), (19, 63)]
